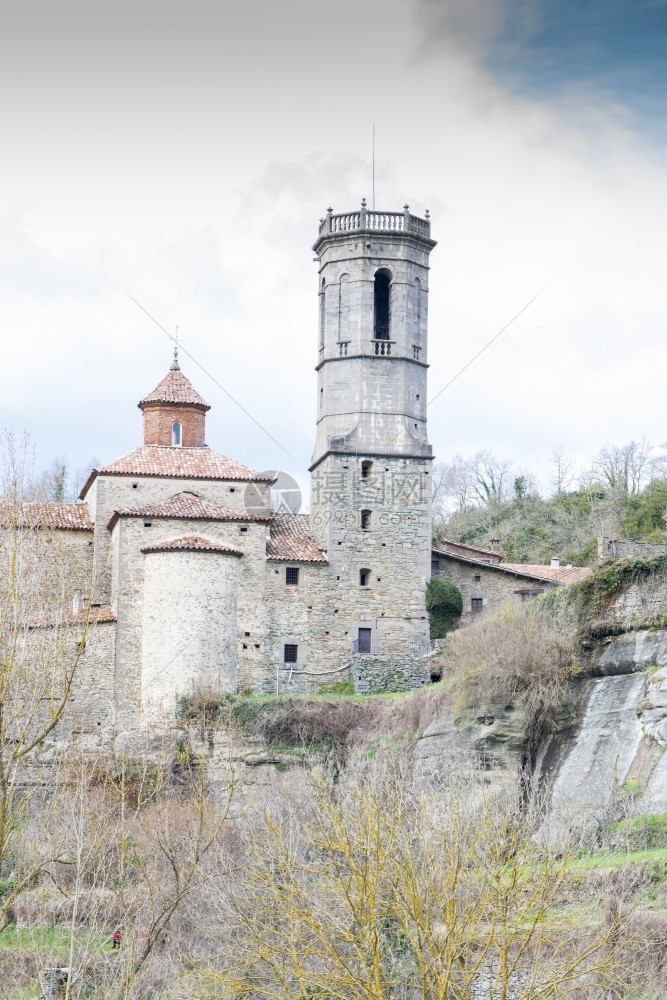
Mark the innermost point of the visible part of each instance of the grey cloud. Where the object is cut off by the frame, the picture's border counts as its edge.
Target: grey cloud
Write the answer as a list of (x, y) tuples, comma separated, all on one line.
[(475, 26)]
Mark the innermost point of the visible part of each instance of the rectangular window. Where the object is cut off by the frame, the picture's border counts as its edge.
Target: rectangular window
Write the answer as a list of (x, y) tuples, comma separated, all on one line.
[(476, 605), (364, 643), (292, 575), (291, 650), (435, 565), (243, 531), (148, 524), (364, 577), (478, 579)]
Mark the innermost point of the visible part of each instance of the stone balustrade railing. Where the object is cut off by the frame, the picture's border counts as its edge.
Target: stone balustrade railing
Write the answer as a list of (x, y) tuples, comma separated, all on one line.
[(369, 220)]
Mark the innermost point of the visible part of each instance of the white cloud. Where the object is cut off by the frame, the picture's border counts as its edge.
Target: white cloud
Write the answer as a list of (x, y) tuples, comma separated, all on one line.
[(197, 187)]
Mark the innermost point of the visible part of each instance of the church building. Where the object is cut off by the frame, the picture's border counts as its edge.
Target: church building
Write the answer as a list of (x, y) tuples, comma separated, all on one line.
[(200, 586)]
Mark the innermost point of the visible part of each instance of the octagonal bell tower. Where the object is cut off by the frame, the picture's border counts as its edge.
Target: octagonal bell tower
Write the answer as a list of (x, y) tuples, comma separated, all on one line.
[(371, 489)]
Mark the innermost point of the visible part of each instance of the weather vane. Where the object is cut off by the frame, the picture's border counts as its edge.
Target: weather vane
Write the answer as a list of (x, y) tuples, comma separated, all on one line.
[(175, 365)]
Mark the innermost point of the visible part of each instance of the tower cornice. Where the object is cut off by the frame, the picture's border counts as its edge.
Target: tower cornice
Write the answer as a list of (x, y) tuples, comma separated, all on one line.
[(337, 228)]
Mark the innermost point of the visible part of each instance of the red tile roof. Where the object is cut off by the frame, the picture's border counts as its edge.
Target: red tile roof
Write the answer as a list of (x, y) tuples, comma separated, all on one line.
[(187, 506), (448, 545), (290, 540), (99, 613), (159, 461), (554, 574), (192, 543), (38, 514), (534, 571), (175, 388)]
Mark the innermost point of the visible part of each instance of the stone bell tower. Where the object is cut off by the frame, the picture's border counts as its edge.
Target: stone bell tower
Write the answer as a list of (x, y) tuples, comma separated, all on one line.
[(371, 471)]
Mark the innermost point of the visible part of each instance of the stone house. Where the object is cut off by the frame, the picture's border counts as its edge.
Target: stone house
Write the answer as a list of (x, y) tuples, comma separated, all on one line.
[(199, 586), (486, 581)]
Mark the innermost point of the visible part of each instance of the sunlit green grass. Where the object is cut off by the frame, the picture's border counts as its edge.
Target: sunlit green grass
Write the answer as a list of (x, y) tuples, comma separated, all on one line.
[(50, 940)]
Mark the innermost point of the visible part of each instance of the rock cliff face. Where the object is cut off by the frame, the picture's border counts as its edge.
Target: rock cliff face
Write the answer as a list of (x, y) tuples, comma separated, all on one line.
[(610, 750)]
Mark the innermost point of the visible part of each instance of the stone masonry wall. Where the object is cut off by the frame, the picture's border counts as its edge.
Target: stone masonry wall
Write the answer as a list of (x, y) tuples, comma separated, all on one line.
[(88, 719), (308, 615), (374, 674), (189, 628), (130, 536), (395, 549)]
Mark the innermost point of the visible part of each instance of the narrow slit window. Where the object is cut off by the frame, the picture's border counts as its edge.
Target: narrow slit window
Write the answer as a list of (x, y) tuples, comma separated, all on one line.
[(176, 431), (366, 520), (292, 575), (364, 577), (366, 469), (290, 652)]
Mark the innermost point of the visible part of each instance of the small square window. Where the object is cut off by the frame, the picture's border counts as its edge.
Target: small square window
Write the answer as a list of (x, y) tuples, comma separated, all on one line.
[(291, 650), (135, 486), (292, 575), (232, 489), (244, 530)]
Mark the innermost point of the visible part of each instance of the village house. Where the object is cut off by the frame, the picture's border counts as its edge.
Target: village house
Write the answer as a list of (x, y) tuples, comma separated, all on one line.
[(486, 581)]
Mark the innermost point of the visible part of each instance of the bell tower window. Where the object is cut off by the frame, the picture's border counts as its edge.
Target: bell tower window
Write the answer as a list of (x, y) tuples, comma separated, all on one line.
[(176, 431), (366, 520), (382, 311), (366, 469)]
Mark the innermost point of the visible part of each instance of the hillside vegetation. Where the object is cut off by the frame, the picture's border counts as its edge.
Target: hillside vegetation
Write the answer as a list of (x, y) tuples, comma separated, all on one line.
[(623, 493)]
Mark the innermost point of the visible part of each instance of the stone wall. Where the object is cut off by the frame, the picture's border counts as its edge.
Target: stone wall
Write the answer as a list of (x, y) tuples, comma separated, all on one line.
[(189, 628), (395, 549), (622, 548), (89, 717), (379, 674), (130, 535)]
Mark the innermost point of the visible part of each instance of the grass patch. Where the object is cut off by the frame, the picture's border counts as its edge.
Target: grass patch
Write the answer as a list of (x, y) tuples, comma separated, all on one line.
[(49, 940), (591, 862)]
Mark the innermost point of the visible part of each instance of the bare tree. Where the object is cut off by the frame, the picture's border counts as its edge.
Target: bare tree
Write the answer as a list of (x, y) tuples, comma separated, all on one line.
[(380, 888), (624, 470), (563, 470), (41, 644)]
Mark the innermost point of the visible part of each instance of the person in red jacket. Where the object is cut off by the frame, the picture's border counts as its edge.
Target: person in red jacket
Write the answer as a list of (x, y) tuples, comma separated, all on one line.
[(115, 939)]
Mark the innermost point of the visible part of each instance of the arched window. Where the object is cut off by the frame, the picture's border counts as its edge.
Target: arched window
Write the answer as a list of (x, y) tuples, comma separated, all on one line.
[(417, 285), (322, 312), (366, 469), (176, 433), (382, 316), (366, 520), (344, 307)]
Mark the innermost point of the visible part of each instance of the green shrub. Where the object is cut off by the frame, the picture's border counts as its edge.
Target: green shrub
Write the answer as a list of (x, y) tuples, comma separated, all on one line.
[(444, 605)]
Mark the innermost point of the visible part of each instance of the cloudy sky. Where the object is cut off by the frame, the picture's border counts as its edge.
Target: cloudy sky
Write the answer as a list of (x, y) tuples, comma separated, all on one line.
[(183, 153)]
